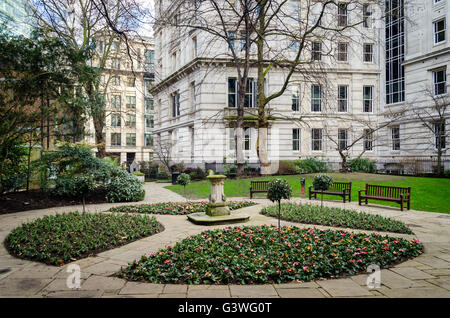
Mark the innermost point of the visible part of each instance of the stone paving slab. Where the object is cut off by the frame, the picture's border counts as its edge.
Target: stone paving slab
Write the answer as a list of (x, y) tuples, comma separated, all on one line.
[(253, 291), (107, 284), (13, 286), (132, 288), (300, 293), (416, 293), (343, 288), (443, 282), (412, 273)]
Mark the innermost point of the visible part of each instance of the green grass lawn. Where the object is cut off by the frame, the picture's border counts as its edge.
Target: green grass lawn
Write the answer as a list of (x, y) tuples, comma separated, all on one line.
[(427, 194)]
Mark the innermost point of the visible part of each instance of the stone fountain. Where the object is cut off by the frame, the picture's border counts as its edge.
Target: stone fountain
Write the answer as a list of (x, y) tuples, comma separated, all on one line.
[(217, 211)]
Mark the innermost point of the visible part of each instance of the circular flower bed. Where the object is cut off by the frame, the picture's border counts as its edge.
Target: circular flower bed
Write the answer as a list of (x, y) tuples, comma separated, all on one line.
[(62, 238), (313, 214), (253, 255), (176, 208)]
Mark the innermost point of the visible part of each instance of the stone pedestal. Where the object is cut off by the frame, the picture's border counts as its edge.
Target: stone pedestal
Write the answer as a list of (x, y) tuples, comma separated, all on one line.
[(217, 205), (217, 211)]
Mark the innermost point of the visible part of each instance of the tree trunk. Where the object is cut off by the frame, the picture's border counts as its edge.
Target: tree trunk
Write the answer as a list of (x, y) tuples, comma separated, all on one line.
[(262, 151), (238, 133)]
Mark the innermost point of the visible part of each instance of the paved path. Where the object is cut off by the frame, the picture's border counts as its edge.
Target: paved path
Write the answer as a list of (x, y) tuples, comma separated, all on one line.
[(426, 276)]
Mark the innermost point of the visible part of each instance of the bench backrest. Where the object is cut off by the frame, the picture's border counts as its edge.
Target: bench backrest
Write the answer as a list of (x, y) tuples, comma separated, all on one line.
[(259, 185), (386, 191), (340, 186)]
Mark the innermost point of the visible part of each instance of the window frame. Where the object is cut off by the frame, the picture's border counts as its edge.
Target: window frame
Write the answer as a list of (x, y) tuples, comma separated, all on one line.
[(319, 99), (340, 52), (368, 53), (319, 140), (436, 136), (436, 91), (296, 139), (316, 55), (340, 99), (368, 100), (342, 142), (396, 145), (437, 32)]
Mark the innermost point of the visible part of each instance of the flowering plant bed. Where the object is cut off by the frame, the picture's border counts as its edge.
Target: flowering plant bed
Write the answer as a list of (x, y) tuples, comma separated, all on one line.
[(62, 238), (253, 255), (176, 208), (313, 214)]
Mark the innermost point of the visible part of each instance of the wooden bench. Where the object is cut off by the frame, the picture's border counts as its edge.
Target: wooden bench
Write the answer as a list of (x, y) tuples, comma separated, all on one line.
[(342, 189), (386, 193), (258, 187)]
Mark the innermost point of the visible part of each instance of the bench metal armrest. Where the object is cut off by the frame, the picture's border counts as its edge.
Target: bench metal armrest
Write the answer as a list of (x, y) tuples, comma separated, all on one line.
[(363, 190)]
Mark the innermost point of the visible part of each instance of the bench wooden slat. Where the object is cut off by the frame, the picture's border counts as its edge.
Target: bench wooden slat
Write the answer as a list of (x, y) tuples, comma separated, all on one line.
[(386, 193), (342, 189)]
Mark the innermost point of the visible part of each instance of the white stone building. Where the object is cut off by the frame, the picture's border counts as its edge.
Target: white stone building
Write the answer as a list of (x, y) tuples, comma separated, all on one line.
[(195, 90), (126, 81)]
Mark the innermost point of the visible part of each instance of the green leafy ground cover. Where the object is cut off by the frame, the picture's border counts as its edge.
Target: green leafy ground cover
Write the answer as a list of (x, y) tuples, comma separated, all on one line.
[(62, 238), (313, 214), (253, 255), (176, 208)]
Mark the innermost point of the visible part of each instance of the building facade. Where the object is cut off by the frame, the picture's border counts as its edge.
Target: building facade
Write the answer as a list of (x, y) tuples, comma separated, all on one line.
[(126, 80), (371, 74), (18, 16)]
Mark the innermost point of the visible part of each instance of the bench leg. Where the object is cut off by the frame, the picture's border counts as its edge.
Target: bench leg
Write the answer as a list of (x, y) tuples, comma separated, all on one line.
[(367, 201), (349, 197), (251, 194), (409, 204), (343, 197), (401, 205), (359, 200)]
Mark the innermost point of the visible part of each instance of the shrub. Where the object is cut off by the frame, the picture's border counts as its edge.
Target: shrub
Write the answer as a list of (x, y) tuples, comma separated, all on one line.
[(311, 165), (13, 168), (62, 238), (278, 190), (195, 173), (322, 182), (124, 187), (312, 214), (286, 167), (252, 255), (183, 179), (363, 165), (447, 173), (162, 175), (138, 173)]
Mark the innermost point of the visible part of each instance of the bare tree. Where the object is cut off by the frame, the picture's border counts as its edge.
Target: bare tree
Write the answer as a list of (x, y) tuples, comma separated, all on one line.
[(163, 151), (433, 116), (81, 24)]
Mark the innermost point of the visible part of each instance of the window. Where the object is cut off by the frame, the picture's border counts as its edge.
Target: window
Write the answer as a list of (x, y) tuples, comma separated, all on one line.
[(131, 120), (149, 123), (295, 99), (342, 139), (295, 139), (232, 92), (244, 41), (149, 105), (115, 46), (175, 105), (194, 47), (116, 80), (231, 37), (116, 139), (316, 51), (116, 63), (367, 16), (439, 135), (395, 135), (368, 52), (342, 55), (439, 31), (115, 120), (231, 140), (131, 102), (115, 101), (100, 46), (440, 82), (131, 82), (342, 14), (131, 139), (342, 98), (368, 140), (247, 138), (193, 96), (395, 48), (368, 99), (251, 97), (316, 98), (316, 139), (149, 83), (149, 60), (148, 140)]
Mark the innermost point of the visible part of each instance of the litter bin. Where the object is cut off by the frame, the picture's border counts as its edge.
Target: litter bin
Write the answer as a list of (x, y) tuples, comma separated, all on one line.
[(174, 177)]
